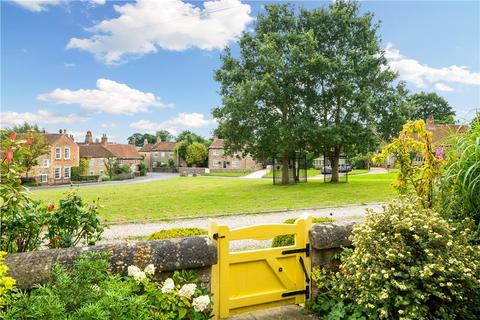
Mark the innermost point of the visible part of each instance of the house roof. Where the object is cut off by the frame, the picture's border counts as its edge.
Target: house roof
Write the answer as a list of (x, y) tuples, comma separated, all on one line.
[(94, 151), (441, 131), (124, 151), (159, 146), (216, 144), (53, 137)]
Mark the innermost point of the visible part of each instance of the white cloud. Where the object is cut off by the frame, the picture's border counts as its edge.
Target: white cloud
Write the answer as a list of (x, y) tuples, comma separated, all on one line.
[(37, 5), (145, 26), (420, 75), (41, 117), (110, 97), (109, 125), (442, 87), (69, 65), (180, 122)]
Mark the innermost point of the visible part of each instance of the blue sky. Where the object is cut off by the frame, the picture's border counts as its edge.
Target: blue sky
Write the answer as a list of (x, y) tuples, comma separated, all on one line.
[(138, 67)]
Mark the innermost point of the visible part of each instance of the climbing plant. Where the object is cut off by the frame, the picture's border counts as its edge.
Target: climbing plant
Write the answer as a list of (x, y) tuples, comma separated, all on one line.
[(414, 139)]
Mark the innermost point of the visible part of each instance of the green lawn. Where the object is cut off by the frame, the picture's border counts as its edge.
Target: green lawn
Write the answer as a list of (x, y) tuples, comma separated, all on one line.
[(187, 196), (226, 174), (357, 171), (310, 173)]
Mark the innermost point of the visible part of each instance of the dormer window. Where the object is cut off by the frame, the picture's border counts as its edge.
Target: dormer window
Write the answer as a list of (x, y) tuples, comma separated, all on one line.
[(66, 153), (58, 153)]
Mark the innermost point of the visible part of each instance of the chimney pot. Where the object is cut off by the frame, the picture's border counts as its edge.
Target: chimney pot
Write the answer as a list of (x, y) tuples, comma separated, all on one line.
[(159, 139), (60, 131), (145, 141)]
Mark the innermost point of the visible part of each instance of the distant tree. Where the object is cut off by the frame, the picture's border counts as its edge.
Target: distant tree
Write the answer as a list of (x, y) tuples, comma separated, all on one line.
[(423, 105), (37, 145), (196, 154), (139, 138), (185, 139), (164, 135), (109, 166)]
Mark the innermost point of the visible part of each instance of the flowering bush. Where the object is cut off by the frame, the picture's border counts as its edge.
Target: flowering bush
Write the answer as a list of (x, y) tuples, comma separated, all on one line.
[(88, 292), (22, 220), (410, 263)]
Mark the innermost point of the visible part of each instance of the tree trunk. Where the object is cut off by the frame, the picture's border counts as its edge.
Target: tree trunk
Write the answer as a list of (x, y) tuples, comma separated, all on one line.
[(285, 163), (335, 161)]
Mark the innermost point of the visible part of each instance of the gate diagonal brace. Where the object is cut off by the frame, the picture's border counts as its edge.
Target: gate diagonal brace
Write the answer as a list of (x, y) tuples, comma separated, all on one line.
[(307, 278)]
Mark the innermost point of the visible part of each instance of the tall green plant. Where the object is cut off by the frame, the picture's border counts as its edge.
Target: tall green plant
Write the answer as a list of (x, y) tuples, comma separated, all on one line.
[(460, 189)]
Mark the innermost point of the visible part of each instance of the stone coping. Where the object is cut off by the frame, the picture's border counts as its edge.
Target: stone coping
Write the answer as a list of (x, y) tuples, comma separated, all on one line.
[(331, 235)]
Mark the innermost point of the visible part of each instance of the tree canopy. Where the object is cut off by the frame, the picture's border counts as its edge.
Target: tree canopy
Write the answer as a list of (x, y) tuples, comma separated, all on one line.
[(422, 105), (197, 153), (314, 81)]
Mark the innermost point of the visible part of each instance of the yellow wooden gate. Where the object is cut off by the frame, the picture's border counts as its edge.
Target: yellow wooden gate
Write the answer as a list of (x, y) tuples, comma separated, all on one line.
[(256, 279)]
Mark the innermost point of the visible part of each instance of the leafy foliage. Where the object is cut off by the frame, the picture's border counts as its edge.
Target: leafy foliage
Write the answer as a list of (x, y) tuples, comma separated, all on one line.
[(88, 291), (414, 138), (176, 233), (408, 263), (74, 222), (289, 239), (423, 105), (22, 220), (196, 153), (460, 188), (6, 283), (143, 168)]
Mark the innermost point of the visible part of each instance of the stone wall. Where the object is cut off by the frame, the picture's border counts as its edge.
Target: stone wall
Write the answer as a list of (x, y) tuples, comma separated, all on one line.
[(188, 171), (192, 253)]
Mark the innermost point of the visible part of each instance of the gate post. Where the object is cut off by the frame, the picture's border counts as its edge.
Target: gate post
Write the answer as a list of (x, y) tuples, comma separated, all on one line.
[(214, 279)]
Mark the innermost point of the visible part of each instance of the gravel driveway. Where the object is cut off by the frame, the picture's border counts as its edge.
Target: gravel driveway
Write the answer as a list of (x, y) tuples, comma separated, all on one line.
[(348, 212)]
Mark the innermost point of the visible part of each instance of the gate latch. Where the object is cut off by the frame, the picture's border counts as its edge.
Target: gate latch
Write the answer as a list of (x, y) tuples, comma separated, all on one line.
[(292, 251), (216, 236)]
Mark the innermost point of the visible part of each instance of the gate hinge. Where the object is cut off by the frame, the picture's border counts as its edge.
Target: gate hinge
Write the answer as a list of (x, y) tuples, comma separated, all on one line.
[(292, 251), (216, 236), (306, 292)]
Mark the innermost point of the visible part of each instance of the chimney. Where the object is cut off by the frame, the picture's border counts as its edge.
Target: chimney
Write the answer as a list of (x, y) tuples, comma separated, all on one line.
[(104, 140), (145, 141), (430, 123), (88, 137), (132, 140), (65, 131), (60, 131), (159, 139)]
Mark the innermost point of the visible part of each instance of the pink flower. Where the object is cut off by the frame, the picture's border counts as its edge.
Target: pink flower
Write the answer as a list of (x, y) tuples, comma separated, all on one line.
[(50, 207), (9, 155), (13, 136)]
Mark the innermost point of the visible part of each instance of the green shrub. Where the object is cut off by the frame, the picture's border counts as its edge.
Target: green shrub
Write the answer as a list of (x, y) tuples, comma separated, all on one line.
[(6, 283), (88, 291), (176, 233), (142, 167), (289, 239), (408, 263), (460, 188)]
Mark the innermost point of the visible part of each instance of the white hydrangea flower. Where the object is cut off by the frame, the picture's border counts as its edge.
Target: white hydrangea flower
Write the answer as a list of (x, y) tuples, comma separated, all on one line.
[(139, 276), (201, 303), (168, 285), (150, 269), (132, 270), (187, 290)]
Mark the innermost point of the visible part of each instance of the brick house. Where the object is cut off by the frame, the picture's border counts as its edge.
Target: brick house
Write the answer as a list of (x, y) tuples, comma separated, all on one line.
[(219, 161), (98, 152), (55, 166), (159, 153)]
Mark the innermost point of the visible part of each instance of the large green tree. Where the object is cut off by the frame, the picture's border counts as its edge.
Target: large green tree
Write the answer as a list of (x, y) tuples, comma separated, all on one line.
[(313, 81), (423, 105), (263, 111), (187, 138), (196, 154), (350, 85), (164, 135)]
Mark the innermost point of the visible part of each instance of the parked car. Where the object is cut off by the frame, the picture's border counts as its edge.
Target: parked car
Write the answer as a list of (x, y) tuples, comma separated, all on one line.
[(327, 170), (344, 168)]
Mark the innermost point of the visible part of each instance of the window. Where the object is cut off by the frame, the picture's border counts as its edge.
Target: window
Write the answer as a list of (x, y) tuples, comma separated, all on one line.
[(216, 152), (66, 172), (155, 154), (163, 154), (235, 163), (66, 153), (46, 163), (56, 173), (91, 173), (43, 178), (216, 163), (92, 163), (58, 153)]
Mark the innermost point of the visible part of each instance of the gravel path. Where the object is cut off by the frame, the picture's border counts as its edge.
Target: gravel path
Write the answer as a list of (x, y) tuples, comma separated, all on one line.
[(124, 231)]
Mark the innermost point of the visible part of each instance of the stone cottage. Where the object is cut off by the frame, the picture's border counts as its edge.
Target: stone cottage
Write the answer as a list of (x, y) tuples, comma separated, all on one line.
[(159, 154)]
